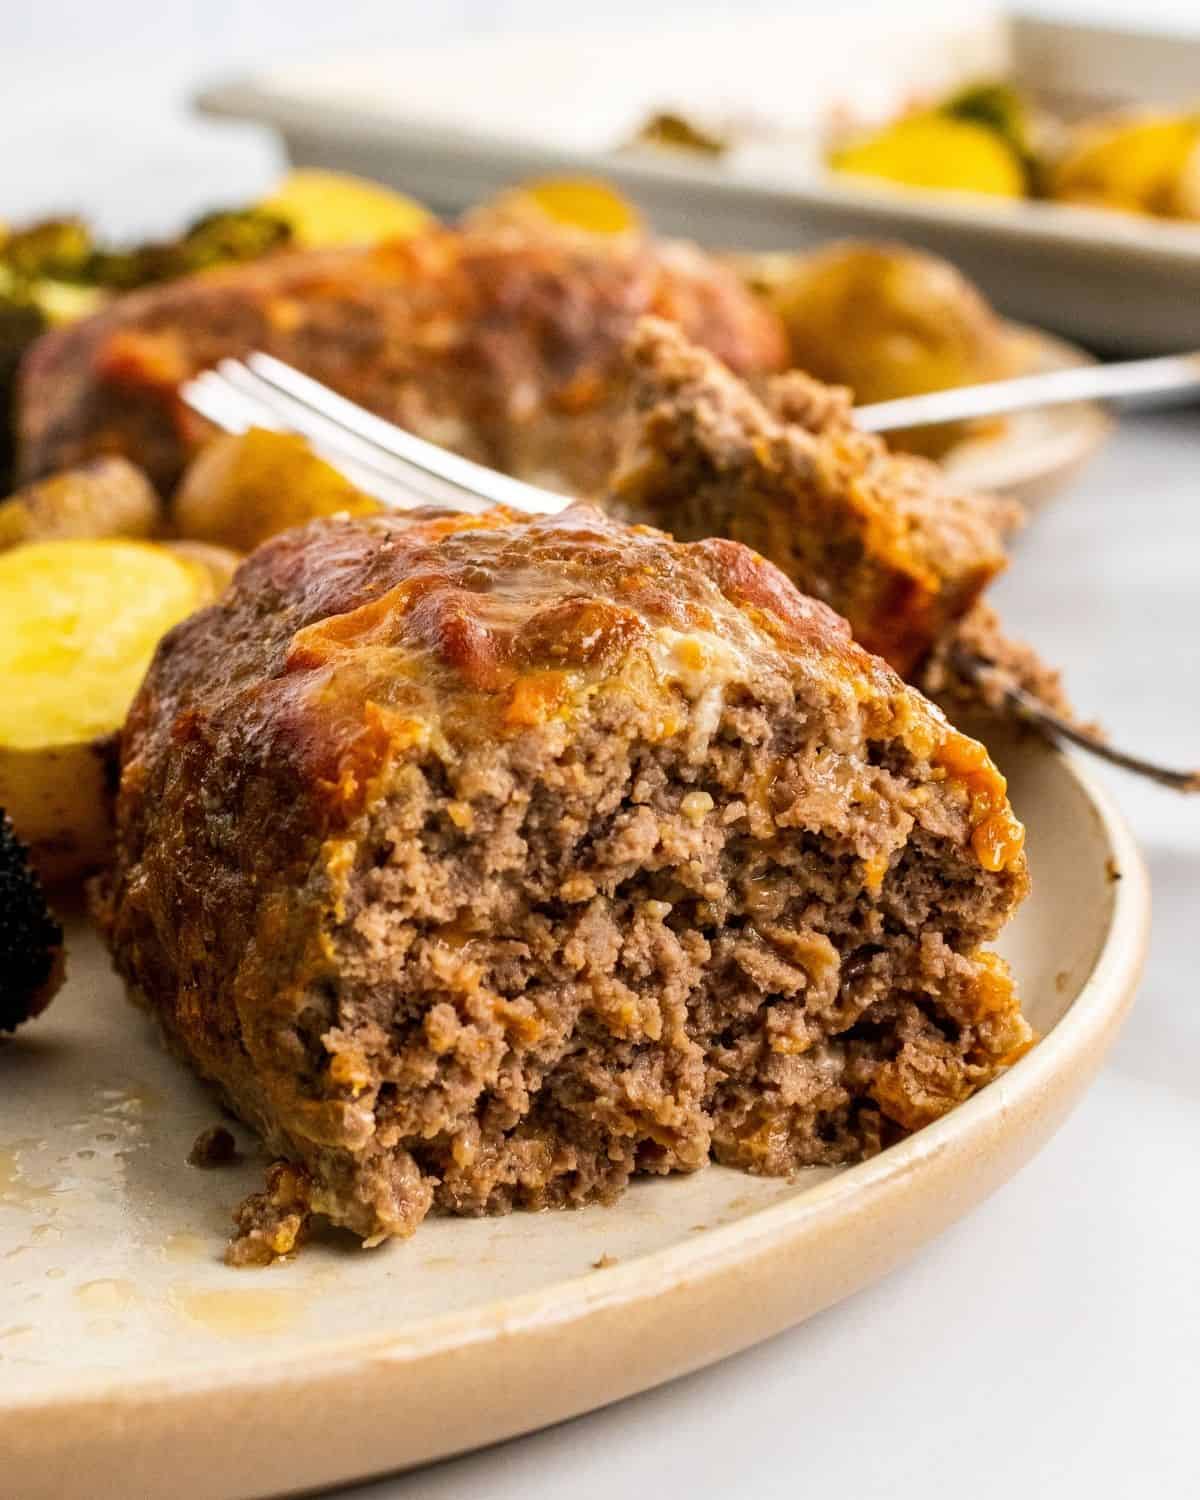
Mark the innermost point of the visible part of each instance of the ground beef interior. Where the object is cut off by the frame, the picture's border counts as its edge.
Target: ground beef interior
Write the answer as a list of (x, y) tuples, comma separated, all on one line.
[(628, 958)]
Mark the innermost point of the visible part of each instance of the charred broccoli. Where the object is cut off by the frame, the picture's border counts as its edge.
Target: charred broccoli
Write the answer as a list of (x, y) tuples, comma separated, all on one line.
[(54, 272), (31, 941), (223, 238)]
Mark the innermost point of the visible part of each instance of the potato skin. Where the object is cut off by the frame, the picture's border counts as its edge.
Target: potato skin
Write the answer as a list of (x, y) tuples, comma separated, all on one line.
[(108, 497), (886, 321), (218, 563), (58, 797)]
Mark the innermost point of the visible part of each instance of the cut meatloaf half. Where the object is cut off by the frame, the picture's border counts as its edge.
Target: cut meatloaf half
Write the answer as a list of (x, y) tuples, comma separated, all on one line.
[(497, 344), (879, 536), (485, 862)]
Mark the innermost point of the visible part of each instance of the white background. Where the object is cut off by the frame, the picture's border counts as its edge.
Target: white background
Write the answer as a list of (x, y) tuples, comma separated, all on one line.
[(1048, 1346)]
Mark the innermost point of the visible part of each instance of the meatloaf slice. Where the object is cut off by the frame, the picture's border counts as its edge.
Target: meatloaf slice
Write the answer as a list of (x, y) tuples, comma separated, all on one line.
[(484, 862), (503, 346), (878, 535)]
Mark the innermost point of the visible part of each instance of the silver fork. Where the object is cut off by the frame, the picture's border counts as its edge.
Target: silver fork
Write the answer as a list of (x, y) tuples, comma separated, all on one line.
[(395, 466), (404, 471)]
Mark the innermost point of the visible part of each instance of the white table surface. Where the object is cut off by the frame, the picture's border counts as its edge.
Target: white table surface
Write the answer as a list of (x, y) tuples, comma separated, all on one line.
[(1048, 1345)]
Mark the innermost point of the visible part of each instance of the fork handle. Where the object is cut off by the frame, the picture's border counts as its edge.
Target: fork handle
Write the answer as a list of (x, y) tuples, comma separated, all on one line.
[(1171, 373)]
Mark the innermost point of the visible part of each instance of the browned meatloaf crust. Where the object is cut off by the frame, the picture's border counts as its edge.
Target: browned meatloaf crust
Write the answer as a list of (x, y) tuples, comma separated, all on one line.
[(500, 345), (879, 536), (483, 862)]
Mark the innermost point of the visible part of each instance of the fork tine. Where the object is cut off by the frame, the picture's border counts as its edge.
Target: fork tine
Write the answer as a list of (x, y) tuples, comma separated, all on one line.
[(346, 447), (214, 399), (452, 468), (221, 401), (1029, 710)]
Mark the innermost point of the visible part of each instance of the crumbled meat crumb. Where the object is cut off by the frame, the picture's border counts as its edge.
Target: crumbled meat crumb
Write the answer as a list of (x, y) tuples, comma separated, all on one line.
[(603, 1263), (214, 1147), (980, 634), (274, 1222)]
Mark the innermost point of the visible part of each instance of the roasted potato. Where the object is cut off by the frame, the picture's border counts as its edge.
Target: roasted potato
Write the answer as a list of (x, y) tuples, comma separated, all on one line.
[(107, 497), (79, 621), (1187, 190), (1003, 110), (583, 205), (887, 321), (935, 150), (331, 208), (1136, 162), (241, 489)]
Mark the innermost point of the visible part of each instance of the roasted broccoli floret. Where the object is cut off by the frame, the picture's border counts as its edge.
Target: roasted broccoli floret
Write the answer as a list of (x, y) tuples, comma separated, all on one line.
[(31, 941), (52, 249), (222, 238)]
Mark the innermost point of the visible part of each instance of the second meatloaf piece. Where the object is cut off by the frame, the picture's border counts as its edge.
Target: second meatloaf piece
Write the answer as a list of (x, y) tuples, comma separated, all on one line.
[(484, 862), (880, 536), (501, 345)]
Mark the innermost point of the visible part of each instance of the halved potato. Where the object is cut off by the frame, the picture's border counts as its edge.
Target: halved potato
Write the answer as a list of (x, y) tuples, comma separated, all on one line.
[(1134, 162), (332, 208), (68, 301), (586, 205), (1187, 189), (933, 150), (79, 622), (241, 489)]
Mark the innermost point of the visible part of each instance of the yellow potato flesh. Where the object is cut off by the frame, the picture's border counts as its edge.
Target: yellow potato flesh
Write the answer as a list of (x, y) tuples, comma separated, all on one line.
[(56, 797), (1135, 164), (243, 488), (585, 204), (79, 621), (1187, 189), (939, 152), (332, 208)]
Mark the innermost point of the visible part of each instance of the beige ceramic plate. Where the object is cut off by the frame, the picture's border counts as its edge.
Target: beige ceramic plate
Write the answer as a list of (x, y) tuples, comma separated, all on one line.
[(1032, 455), (134, 1364)]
